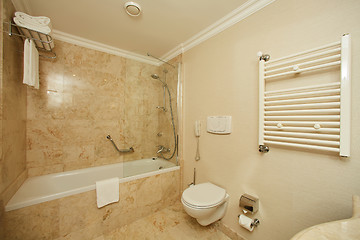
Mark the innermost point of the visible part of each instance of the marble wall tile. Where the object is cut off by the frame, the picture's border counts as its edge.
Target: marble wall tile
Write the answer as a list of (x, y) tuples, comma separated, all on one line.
[(43, 170), (85, 95), (11, 189), (78, 211), (168, 224), (149, 187), (12, 110), (39, 221), (77, 216), (170, 187), (44, 134), (44, 157)]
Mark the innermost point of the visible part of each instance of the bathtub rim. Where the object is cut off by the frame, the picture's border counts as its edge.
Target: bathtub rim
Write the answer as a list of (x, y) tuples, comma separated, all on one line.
[(42, 199)]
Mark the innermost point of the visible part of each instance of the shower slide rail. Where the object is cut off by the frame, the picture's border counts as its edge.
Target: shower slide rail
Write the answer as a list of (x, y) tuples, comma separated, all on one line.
[(315, 116)]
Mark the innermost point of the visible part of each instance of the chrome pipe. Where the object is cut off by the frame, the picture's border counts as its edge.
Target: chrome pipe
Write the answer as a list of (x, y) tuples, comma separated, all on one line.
[(160, 60)]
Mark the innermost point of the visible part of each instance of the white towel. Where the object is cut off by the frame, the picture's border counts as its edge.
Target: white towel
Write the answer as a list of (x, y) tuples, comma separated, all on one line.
[(26, 78), (107, 191), (34, 63), (32, 25), (42, 21), (39, 24), (31, 64)]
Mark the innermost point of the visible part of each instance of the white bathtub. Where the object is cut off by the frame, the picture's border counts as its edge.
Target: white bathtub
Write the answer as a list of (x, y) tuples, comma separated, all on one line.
[(57, 185)]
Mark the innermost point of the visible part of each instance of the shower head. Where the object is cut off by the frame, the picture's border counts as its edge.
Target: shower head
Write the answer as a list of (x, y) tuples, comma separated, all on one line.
[(155, 76)]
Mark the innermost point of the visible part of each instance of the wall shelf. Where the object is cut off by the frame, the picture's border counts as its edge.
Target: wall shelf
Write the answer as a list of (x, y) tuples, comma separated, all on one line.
[(44, 42)]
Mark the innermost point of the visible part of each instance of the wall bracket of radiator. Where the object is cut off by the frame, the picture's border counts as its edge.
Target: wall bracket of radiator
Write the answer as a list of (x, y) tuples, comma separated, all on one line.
[(315, 117)]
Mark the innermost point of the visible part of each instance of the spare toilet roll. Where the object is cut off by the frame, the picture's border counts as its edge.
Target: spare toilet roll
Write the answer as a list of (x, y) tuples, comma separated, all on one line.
[(246, 222)]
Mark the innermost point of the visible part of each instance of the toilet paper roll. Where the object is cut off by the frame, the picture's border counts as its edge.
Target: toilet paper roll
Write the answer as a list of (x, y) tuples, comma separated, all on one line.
[(246, 222)]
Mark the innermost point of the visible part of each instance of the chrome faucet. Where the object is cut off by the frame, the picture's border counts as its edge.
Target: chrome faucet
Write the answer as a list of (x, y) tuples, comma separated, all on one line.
[(162, 108), (162, 149)]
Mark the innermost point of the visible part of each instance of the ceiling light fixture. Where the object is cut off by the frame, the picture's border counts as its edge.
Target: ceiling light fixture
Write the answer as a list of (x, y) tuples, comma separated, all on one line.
[(132, 8)]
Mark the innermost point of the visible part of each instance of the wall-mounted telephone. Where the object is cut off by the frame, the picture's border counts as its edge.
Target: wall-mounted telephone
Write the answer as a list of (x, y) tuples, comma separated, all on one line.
[(197, 134), (197, 128)]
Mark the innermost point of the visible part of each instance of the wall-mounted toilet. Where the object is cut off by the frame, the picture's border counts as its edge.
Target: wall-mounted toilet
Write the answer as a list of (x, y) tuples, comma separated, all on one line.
[(206, 202)]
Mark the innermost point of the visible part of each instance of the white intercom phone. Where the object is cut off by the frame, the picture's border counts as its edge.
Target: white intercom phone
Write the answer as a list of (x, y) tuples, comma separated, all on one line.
[(197, 134), (197, 128)]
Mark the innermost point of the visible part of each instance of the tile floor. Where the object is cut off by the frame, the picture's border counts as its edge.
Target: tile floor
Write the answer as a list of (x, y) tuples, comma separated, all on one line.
[(171, 223)]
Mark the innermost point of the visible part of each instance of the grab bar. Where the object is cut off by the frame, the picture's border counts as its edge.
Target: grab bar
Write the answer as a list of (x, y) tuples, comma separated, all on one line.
[(131, 149)]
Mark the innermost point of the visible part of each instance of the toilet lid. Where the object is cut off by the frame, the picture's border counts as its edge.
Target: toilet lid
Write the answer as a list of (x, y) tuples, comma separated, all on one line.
[(204, 194)]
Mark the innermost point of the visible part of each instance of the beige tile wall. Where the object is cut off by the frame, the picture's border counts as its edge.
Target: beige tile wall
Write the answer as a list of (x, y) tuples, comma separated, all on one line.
[(77, 216), (12, 111), (85, 95)]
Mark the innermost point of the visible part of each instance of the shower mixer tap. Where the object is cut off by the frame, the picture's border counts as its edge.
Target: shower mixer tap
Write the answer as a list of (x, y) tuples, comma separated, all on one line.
[(162, 149), (162, 108)]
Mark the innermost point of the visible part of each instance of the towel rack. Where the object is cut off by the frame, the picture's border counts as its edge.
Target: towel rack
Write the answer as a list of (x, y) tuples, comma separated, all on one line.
[(315, 116), (44, 42)]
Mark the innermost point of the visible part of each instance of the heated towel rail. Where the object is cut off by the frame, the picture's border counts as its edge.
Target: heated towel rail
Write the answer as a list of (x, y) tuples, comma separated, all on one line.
[(315, 116)]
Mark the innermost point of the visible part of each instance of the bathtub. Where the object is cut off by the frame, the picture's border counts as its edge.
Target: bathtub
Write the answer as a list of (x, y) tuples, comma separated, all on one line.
[(58, 185)]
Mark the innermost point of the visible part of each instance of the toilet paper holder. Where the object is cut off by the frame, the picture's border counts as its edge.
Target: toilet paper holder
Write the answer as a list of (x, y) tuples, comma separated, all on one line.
[(249, 203), (255, 222)]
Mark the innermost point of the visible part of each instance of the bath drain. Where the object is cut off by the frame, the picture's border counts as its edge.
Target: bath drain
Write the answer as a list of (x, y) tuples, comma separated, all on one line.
[(161, 167)]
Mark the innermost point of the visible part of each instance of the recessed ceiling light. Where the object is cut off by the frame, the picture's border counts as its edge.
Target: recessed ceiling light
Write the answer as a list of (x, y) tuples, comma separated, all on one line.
[(132, 8)]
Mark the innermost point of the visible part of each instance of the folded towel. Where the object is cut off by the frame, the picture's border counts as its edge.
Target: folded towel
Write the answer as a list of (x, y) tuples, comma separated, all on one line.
[(107, 191), (42, 21), (32, 25), (31, 64), (39, 24)]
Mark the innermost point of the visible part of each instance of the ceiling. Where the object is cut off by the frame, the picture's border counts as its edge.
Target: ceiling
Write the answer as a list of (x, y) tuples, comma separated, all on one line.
[(162, 26)]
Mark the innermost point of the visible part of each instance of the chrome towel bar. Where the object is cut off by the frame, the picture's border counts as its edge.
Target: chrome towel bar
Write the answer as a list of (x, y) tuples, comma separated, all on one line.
[(43, 42), (131, 149)]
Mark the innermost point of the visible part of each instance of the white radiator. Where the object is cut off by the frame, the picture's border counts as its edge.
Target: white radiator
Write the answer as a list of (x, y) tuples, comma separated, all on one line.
[(316, 116)]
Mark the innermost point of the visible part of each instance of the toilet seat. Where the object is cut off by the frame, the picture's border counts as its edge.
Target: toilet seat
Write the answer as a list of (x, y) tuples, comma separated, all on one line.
[(201, 207), (204, 195)]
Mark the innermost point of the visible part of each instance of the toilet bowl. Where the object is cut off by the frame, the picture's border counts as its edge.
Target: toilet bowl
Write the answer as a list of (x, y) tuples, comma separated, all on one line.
[(206, 202)]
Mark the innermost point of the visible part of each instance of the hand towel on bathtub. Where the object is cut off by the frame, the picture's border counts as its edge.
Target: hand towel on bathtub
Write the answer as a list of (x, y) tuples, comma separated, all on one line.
[(107, 191)]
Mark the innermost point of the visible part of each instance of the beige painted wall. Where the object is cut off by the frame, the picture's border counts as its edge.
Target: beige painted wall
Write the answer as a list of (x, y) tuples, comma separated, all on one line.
[(297, 189)]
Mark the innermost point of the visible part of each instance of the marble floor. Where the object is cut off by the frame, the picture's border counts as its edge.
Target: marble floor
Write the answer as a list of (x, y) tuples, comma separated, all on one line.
[(171, 223)]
